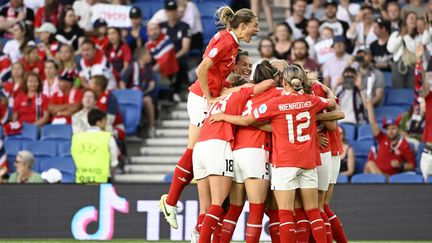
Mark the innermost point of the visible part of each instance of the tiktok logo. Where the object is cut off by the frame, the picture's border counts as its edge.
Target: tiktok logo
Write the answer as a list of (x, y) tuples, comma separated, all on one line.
[(109, 202)]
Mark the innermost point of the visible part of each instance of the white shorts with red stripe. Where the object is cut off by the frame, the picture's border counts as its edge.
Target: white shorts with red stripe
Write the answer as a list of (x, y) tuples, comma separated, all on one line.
[(197, 109), (250, 163)]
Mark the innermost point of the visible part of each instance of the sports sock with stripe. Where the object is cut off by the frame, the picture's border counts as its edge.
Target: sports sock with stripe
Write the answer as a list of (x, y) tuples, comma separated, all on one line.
[(287, 227), (317, 225), (183, 175), (336, 226), (303, 226), (229, 223), (210, 221), (254, 224)]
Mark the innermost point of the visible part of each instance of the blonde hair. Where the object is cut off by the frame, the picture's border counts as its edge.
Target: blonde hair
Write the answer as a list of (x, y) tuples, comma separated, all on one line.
[(232, 20), (296, 76), (26, 157)]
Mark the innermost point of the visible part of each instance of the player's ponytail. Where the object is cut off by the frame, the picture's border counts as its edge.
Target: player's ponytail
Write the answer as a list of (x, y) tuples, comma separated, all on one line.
[(264, 71), (297, 77), (232, 20)]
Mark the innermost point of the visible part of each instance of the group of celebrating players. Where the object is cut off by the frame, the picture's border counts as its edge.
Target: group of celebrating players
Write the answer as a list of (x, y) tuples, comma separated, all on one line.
[(273, 140)]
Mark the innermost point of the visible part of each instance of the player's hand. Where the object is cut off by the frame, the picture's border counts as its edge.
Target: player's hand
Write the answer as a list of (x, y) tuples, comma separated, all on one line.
[(212, 100), (395, 164), (323, 140), (217, 117)]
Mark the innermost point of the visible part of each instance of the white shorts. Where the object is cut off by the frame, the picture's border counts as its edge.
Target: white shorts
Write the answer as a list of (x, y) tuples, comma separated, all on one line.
[(212, 157), (335, 168), (250, 163), (197, 108), (291, 178), (324, 171), (426, 164)]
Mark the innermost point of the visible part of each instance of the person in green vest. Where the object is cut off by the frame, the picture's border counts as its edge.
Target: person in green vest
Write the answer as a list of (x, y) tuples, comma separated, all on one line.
[(24, 174), (94, 151)]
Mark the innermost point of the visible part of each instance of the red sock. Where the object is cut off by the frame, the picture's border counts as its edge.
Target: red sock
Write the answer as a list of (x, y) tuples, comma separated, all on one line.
[(254, 224), (183, 175), (328, 227), (317, 225), (229, 223), (303, 226), (336, 226), (287, 227), (216, 234), (273, 225), (199, 222), (210, 221)]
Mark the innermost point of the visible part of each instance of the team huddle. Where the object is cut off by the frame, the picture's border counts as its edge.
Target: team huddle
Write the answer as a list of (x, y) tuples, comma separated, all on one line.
[(272, 140)]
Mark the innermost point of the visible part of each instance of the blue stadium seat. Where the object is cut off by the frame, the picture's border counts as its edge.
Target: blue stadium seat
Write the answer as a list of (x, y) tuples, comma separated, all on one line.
[(399, 97), (350, 131), (409, 177), (64, 149), (362, 148), (342, 179), (146, 8), (388, 79), (12, 147), (364, 132), (29, 132), (42, 149), (65, 165), (209, 8), (58, 133), (209, 26), (390, 112), (154, 6), (418, 157), (429, 180), (130, 105), (359, 164), (368, 178)]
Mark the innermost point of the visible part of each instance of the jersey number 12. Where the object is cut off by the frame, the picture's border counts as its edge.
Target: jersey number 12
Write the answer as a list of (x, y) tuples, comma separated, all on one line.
[(300, 127)]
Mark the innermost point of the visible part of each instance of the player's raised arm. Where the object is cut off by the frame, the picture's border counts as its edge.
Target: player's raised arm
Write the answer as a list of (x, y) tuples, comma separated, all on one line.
[(372, 119), (330, 116), (201, 72), (236, 120)]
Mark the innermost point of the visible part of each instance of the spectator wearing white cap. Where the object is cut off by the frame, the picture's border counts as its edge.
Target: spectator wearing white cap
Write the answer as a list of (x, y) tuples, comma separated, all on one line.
[(24, 174), (48, 45), (52, 176)]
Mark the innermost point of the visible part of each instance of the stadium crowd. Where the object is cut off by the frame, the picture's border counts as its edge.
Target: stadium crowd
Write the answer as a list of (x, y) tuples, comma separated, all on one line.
[(57, 64)]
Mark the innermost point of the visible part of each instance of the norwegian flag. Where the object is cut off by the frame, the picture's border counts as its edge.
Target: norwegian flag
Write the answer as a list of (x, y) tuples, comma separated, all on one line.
[(162, 50), (5, 67)]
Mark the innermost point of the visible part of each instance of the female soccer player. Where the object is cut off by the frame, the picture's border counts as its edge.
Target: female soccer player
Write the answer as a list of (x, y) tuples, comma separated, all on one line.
[(213, 158), (212, 72), (294, 154)]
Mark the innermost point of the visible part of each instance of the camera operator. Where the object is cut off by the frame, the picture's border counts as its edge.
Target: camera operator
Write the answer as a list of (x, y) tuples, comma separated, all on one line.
[(351, 95)]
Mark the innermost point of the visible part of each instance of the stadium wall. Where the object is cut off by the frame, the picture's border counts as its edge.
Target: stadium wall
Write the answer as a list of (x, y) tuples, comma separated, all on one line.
[(368, 212)]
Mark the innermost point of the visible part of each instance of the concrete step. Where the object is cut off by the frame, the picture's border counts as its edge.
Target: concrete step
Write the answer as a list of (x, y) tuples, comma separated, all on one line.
[(179, 115), (181, 105), (140, 178), (172, 159), (140, 168), (167, 142), (172, 132), (175, 124), (165, 151)]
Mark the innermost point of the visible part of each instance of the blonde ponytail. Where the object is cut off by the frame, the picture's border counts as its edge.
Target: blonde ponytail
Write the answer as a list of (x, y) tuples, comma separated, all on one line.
[(232, 20)]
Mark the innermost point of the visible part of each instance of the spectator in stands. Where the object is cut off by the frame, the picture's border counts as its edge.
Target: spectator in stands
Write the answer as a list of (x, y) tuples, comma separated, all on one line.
[(79, 119), (24, 174), (402, 45), (94, 62), (381, 56), (51, 82), (347, 157), (378, 9), (351, 94), (189, 13), (255, 7), (421, 25), (339, 27), (300, 55), (13, 13), (243, 66), (283, 41), (315, 10), (179, 33), (372, 79), (297, 21), (394, 16), (83, 10), (66, 57), (48, 45), (94, 166), (416, 6), (361, 30), (313, 36), (119, 55), (136, 35), (4, 176), (412, 124), (48, 13), (347, 11), (5, 67), (100, 38), (324, 47), (333, 66), (68, 30), (283, 4), (66, 101), (14, 86), (22, 36), (394, 154), (31, 105), (32, 62), (266, 48)]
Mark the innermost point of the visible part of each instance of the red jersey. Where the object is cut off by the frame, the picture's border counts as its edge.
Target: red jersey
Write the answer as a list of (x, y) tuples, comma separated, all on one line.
[(293, 120), (222, 50), (53, 48), (37, 67), (12, 89), (427, 130), (41, 18), (118, 56), (251, 137), (101, 43), (30, 109), (74, 97), (335, 142), (231, 104), (318, 90), (386, 153), (103, 103)]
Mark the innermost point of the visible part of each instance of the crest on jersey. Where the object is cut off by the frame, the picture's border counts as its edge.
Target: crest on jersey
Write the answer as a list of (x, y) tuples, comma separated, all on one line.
[(262, 109), (213, 52)]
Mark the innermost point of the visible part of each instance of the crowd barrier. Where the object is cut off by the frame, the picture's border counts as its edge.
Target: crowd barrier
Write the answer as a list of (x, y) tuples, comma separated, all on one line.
[(128, 211)]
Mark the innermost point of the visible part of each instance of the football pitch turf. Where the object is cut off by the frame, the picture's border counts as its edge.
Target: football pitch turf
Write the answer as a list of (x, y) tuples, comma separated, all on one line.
[(165, 241)]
